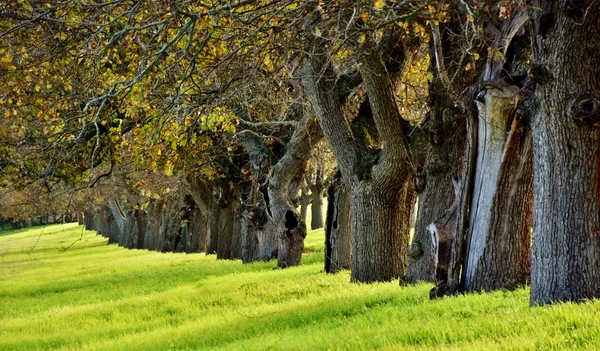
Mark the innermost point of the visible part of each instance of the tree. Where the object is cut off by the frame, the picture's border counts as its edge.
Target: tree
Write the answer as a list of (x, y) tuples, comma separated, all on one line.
[(566, 210), (380, 178)]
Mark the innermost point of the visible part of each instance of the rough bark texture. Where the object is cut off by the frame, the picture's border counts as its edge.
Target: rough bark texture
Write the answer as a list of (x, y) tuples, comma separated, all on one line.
[(382, 197), (566, 217), (442, 243), (227, 206), (338, 226), (285, 176), (258, 232), (169, 231), (381, 255), (500, 213), (259, 237), (446, 130)]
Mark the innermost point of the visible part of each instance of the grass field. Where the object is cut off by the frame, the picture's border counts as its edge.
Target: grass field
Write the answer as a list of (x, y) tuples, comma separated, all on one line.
[(98, 296)]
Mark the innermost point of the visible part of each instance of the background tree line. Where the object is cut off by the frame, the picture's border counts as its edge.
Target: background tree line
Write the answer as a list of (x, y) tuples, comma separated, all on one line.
[(200, 126)]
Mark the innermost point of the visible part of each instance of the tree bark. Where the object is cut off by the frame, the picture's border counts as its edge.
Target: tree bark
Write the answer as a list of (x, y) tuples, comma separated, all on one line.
[(446, 130), (238, 223), (140, 225), (382, 197), (566, 216), (227, 204), (286, 174), (259, 239), (500, 213), (212, 226), (305, 199), (338, 226), (382, 213), (152, 224), (316, 208)]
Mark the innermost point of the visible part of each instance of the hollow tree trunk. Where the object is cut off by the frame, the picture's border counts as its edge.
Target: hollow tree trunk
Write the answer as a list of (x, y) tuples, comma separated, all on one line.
[(381, 223), (566, 217), (291, 231), (500, 214), (283, 188), (338, 226)]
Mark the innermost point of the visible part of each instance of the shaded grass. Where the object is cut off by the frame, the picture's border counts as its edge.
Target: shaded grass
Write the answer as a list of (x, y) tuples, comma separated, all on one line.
[(98, 296)]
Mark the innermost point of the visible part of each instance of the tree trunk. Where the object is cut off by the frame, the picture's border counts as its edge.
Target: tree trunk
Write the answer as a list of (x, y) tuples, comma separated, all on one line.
[(446, 129), (500, 215), (305, 199), (140, 228), (566, 217), (80, 218), (236, 239), (338, 226), (170, 233), (90, 220), (212, 226), (228, 204), (152, 224), (283, 189), (381, 226), (316, 208), (259, 239)]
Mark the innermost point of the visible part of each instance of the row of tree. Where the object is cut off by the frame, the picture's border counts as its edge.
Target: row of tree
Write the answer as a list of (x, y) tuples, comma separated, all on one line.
[(163, 112)]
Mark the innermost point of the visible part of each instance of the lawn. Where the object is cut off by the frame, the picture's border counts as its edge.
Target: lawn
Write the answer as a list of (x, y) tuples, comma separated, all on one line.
[(103, 297)]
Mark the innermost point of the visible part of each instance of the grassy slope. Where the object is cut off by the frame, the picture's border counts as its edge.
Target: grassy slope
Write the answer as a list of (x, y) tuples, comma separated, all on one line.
[(95, 296)]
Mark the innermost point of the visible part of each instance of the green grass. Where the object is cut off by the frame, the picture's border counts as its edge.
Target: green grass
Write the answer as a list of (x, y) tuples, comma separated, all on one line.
[(103, 297)]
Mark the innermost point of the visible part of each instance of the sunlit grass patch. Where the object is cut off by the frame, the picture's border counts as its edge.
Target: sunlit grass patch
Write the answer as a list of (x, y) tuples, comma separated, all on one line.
[(98, 296)]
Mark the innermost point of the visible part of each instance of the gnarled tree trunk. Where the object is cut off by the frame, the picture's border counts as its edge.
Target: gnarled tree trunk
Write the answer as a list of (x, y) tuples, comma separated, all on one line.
[(446, 129), (566, 215), (338, 226), (500, 214), (382, 196), (381, 219)]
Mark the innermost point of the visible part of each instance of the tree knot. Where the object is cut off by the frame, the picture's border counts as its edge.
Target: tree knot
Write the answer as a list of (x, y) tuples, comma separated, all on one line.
[(584, 108)]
